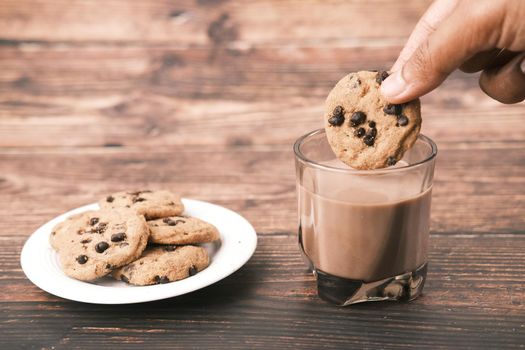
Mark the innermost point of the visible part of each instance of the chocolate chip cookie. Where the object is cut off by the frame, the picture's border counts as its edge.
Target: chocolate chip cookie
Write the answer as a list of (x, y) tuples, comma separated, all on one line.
[(94, 243), (164, 264), (182, 230), (365, 131), (61, 227), (151, 204)]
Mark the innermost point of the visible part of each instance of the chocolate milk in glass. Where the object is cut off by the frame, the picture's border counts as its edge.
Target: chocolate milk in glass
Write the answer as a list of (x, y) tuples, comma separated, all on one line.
[(364, 233)]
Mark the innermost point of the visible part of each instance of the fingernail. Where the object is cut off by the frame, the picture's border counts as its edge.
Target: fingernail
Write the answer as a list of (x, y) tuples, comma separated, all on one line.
[(394, 85), (522, 66)]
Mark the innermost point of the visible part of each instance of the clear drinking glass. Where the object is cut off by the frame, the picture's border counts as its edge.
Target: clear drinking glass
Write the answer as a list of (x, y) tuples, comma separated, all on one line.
[(364, 233)]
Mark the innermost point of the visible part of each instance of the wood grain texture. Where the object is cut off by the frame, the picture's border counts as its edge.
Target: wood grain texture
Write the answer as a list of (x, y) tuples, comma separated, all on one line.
[(199, 23), (162, 96), (474, 299), (472, 193), (206, 97)]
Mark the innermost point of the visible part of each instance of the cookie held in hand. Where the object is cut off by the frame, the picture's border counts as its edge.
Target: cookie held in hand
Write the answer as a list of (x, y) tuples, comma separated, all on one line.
[(363, 129)]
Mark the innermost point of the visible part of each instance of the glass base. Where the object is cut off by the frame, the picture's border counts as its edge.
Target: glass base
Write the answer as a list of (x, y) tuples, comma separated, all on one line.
[(343, 291)]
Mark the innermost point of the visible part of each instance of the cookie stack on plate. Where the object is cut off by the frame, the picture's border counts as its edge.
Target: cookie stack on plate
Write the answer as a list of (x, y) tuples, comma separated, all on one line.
[(114, 240)]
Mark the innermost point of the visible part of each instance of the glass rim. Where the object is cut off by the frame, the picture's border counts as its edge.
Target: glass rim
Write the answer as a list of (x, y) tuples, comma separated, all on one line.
[(303, 159)]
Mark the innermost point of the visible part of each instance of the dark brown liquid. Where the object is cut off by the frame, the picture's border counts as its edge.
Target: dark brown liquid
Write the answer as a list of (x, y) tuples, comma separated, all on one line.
[(366, 237)]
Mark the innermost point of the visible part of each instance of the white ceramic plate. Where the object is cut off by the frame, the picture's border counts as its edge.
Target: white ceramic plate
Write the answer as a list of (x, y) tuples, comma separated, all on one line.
[(238, 241)]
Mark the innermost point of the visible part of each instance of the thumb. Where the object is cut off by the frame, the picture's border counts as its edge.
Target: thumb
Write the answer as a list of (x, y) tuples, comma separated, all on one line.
[(456, 39)]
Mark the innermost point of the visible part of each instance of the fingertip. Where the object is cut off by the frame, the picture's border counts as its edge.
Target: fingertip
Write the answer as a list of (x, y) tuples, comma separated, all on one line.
[(394, 88)]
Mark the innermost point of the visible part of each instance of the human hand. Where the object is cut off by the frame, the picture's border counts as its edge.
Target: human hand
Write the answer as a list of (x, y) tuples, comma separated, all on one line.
[(472, 35)]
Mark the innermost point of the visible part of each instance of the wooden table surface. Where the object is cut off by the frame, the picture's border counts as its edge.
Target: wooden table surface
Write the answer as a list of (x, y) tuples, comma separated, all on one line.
[(206, 97)]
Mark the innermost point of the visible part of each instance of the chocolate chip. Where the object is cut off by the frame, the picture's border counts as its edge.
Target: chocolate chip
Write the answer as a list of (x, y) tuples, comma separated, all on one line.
[(372, 124), (382, 75), (101, 247), (109, 267), (164, 279), (170, 248), (336, 120), (93, 221), (124, 278), (393, 109), (391, 161), (81, 231), (338, 117), (357, 118), (402, 120), (156, 279), (369, 140), (192, 270), (110, 199), (168, 221), (372, 132), (138, 199), (84, 241), (123, 244), (339, 110), (117, 237), (82, 259), (171, 222), (360, 132)]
